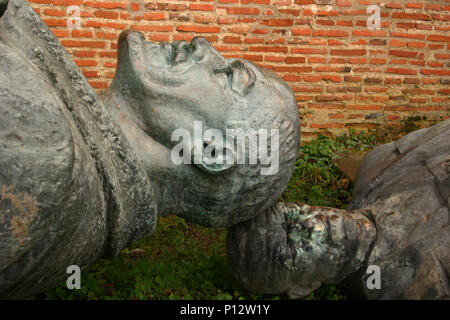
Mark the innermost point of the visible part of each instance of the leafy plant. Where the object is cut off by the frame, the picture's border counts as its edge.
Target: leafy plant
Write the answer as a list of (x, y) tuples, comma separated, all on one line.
[(316, 179)]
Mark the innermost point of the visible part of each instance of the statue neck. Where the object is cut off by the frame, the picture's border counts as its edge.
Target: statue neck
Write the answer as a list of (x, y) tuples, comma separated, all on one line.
[(156, 163)]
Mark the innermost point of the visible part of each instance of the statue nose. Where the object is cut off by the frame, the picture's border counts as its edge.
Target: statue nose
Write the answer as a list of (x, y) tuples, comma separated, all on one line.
[(200, 47)]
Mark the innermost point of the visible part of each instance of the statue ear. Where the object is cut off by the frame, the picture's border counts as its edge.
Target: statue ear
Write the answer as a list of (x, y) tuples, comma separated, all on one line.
[(3, 7)]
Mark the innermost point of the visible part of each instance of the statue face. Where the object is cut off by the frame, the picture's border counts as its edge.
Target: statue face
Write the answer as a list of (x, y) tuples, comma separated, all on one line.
[(186, 82), (175, 85)]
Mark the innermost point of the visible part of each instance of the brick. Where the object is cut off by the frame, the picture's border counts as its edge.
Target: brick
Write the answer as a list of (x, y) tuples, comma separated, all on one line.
[(303, 69), (268, 49), (410, 16), (158, 37), (377, 61), (393, 5), (377, 42), (292, 78), (54, 12), (344, 23), (317, 60), (325, 22), (369, 33), (83, 33), (330, 33), (273, 58), (108, 54), (260, 31), (364, 107), (90, 74), (106, 14), (154, 16), (312, 78), (356, 52), (278, 22), (400, 53), (309, 50), (201, 7), (253, 57), (408, 35), (82, 63), (159, 28), (253, 40), (87, 44), (98, 84), (106, 5), (301, 31), (55, 22), (442, 72), (439, 38), (243, 11), (232, 39), (85, 53), (61, 33), (198, 29), (292, 60), (343, 3), (326, 125), (414, 5), (304, 2), (332, 78), (67, 3), (401, 71), (418, 91)]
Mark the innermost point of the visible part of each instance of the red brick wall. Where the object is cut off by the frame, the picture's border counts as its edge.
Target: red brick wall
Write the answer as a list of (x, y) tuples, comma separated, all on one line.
[(343, 74)]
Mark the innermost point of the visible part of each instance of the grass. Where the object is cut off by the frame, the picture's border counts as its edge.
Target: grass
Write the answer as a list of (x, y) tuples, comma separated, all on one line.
[(185, 261)]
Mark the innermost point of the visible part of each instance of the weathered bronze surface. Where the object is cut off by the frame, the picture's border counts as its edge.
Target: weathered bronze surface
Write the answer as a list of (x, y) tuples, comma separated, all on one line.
[(79, 180), (398, 221), (83, 176)]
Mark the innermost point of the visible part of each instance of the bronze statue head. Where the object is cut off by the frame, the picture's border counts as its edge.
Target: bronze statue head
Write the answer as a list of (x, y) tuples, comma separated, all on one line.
[(165, 87)]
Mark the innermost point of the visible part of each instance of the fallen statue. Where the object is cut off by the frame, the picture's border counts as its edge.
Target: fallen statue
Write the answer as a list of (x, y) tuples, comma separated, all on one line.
[(83, 176), (398, 221)]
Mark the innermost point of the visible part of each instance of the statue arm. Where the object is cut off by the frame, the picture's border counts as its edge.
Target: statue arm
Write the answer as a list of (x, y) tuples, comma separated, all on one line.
[(294, 248)]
